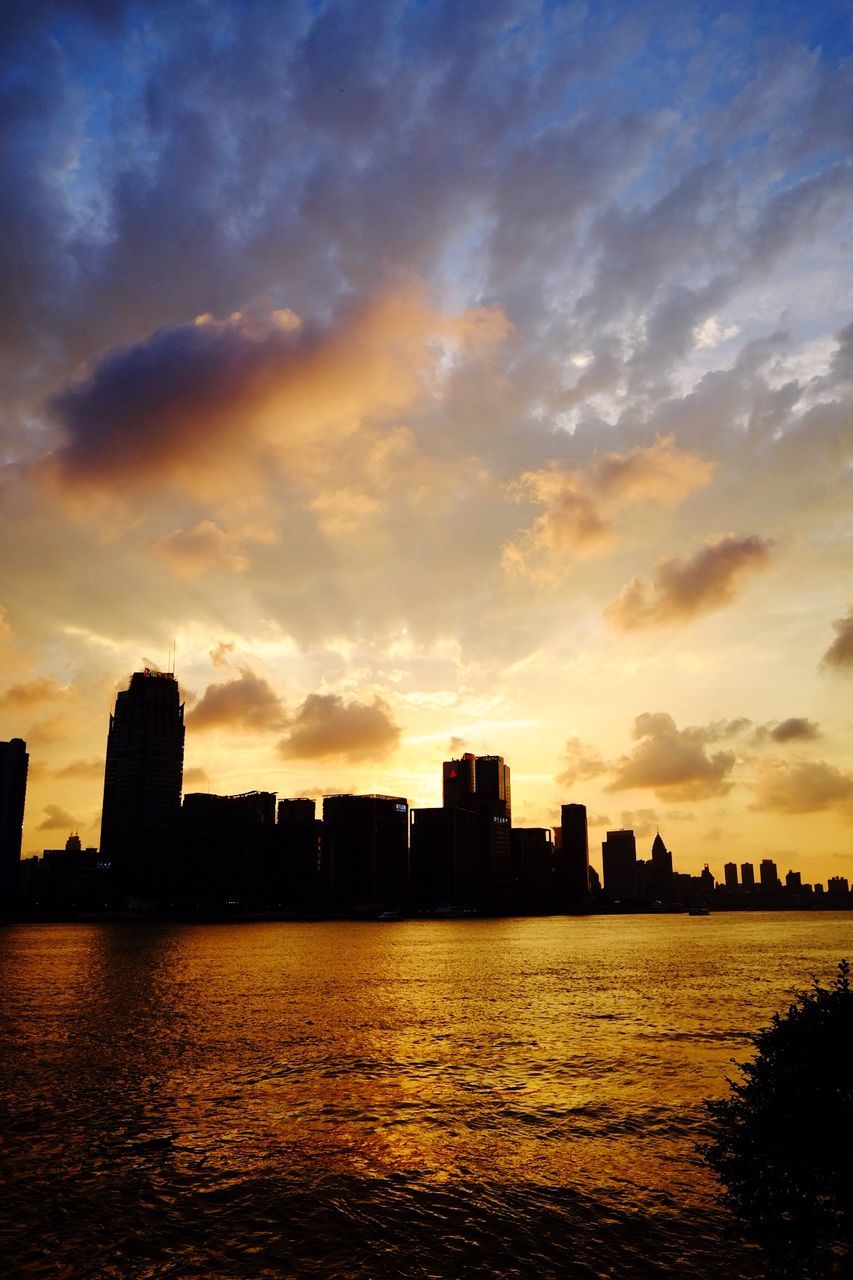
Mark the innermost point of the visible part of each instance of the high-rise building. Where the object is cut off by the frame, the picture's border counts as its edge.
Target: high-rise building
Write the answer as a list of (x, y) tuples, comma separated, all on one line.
[(298, 878), (493, 784), (619, 856), (534, 886), (794, 881), (366, 842), (657, 877), (769, 875), (142, 785), (730, 875), (445, 858), (14, 763), (572, 860), (747, 875), (226, 849), (459, 781)]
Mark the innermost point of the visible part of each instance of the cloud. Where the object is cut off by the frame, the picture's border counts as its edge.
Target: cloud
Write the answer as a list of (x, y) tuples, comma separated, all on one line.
[(672, 762), (840, 653), (188, 397), (81, 769), (582, 762), (794, 729), (804, 787), (326, 725), (57, 819), (31, 694), (579, 505), (247, 703), (684, 588), (220, 655), (194, 775), (206, 546)]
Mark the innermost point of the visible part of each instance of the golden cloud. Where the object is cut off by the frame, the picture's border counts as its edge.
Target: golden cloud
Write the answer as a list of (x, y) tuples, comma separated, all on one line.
[(682, 588), (326, 725)]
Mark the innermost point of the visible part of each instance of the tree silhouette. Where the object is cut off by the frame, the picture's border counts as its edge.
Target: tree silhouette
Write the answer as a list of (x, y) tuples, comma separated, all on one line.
[(782, 1141)]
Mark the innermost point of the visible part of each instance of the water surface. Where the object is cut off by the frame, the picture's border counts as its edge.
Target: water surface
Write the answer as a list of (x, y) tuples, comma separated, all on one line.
[(424, 1099)]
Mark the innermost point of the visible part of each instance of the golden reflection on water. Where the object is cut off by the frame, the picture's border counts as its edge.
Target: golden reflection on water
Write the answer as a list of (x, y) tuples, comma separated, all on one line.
[(477, 1055)]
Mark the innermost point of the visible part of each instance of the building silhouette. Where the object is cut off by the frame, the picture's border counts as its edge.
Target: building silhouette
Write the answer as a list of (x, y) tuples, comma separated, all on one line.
[(226, 850), (298, 875), (366, 846), (142, 786), (768, 874), (730, 875), (534, 875), (619, 859), (572, 858), (747, 875), (445, 858), (481, 785), (14, 763), (459, 782)]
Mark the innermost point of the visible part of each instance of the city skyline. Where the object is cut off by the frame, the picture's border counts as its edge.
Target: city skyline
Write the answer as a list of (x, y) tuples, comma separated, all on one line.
[(157, 836), (437, 373)]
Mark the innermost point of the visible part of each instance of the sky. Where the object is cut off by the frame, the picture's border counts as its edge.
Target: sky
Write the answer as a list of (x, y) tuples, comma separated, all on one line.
[(437, 376)]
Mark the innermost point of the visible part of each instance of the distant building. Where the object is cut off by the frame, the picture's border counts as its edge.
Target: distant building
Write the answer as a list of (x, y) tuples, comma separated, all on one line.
[(14, 763), (619, 856), (730, 875), (142, 785), (481, 785), (837, 886), (655, 879), (706, 879), (366, 842), (70, 879), (747, 875), (493, 784), (769, 875), (793, 881), (572, 860)]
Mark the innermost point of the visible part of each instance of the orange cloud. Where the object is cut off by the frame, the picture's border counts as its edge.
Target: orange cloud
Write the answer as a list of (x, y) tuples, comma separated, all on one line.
[(32, 693), (326, 725), (840, 653), (578, 506), (190, 397), (804, 787), (683, 588), (206, 546), (673, 762), (247, 702)]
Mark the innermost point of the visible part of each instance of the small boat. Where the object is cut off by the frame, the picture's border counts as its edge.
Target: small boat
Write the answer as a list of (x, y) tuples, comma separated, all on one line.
[(698, 911), (389, 915)]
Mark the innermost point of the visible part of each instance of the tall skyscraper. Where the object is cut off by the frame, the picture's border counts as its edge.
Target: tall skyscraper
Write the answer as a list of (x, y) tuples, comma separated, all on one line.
[(768, 873), (730, 873), (619, 855), (142, 785), (747, 875), (572, 859), (14, 763), (481, 785), (493, 784), (459, 781)]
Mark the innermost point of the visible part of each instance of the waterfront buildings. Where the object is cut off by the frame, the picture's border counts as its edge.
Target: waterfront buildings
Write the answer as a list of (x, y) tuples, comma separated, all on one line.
[(142, 786), (14, 764), (572, 858), (366, 846), (619, 858)]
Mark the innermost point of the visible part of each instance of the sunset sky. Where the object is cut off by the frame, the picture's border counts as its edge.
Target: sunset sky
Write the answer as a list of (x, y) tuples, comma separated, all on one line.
[(440, 375)]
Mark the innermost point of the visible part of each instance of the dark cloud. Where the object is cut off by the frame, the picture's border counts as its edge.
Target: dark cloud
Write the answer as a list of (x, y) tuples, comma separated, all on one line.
[(683, 588), (195, 775), (673, 762), (248, 703), (839, 655), (327, 725), (795, 729)]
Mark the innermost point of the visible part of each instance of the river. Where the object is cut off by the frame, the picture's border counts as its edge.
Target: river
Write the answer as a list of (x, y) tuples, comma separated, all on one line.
[(412, 1099)]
